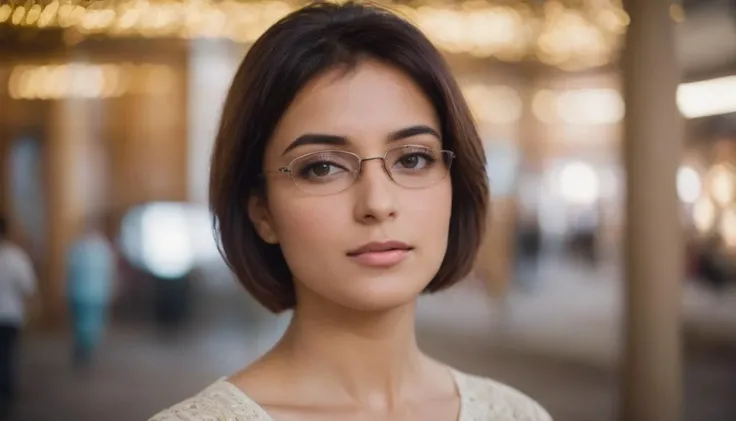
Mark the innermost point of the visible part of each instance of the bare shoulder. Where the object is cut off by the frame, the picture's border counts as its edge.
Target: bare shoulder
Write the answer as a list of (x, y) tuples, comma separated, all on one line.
[(488, 400), (221, 400)]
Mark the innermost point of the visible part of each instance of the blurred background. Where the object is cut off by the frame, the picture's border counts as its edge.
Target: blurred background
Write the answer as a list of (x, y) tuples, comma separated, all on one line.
[(108, 111)]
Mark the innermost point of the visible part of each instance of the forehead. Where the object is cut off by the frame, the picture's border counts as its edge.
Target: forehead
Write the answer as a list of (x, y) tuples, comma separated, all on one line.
[(367, 102)]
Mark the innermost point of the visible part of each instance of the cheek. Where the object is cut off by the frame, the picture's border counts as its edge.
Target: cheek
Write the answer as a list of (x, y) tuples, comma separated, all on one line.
[(312, 235), (432, 204), (308, 224), (429, 212), (314, 231), (323, 222)]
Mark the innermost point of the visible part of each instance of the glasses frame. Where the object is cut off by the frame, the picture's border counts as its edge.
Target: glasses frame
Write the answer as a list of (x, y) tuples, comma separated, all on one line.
[(447, 154)]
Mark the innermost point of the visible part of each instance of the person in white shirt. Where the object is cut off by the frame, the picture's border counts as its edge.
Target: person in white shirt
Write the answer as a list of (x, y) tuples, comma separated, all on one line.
[(17, 285)]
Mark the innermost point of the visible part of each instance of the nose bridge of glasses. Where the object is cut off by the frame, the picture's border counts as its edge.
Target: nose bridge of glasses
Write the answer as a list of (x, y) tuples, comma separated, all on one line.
[(382, 160)]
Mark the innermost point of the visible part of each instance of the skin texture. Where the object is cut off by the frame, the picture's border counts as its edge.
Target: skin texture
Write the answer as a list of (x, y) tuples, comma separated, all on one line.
[(350, 352)]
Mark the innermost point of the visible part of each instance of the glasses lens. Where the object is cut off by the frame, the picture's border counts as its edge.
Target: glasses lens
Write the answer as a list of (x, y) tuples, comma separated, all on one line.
[(418, 166), (325, 172)]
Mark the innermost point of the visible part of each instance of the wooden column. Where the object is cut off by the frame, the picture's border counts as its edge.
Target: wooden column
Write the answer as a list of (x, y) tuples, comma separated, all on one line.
[(70, 184), (651, 385)]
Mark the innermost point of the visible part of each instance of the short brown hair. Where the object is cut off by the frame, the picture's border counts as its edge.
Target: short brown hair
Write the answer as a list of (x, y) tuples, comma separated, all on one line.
[(298, 48)]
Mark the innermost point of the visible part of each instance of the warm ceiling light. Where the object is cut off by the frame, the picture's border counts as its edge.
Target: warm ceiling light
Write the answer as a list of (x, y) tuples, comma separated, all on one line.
[(569, 35)]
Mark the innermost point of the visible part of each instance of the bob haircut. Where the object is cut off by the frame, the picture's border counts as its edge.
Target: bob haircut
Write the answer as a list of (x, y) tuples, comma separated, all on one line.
[(300, 47)]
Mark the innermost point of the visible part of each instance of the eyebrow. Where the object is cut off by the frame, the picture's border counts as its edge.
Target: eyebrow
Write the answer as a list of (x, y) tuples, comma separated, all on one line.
[(336, 140)]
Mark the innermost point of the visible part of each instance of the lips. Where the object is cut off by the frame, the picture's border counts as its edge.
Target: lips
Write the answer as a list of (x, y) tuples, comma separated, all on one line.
[(382, 247), (381, 255)]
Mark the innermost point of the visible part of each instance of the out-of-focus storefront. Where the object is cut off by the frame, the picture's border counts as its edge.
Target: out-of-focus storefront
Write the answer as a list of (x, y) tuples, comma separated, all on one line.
[(88, 129)]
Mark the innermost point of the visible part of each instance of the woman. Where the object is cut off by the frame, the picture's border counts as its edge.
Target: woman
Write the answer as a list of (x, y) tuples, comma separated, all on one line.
[(333, 196)]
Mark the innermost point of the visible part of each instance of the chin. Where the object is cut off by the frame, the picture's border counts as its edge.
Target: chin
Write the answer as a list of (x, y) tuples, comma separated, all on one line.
[(379, 303), (377, 295), (370, 289)]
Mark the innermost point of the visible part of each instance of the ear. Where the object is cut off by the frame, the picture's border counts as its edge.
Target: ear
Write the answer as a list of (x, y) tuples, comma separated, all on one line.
[(260, 217)]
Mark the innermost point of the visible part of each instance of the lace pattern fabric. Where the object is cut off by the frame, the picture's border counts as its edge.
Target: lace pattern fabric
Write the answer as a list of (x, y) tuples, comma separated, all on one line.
[(484, 399), (480, 400)]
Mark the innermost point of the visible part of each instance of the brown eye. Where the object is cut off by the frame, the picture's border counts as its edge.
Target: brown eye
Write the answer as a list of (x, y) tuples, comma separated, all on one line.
[(413, 161), (409, 161), (321, 169)]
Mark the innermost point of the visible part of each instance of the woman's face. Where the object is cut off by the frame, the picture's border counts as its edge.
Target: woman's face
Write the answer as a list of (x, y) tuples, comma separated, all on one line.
[(373, 244)]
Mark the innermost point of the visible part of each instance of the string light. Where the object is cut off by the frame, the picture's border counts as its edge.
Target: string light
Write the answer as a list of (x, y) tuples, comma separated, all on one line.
[(61, 81), (571, 37)]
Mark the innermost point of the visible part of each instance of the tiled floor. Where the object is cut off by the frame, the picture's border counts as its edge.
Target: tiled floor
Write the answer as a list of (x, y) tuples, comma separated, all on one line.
[(139, 371)]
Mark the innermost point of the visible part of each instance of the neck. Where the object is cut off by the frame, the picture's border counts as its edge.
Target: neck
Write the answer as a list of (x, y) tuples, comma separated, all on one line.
[(372, 357)]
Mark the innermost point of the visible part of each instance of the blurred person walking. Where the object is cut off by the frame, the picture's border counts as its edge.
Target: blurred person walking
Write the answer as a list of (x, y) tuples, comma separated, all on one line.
[(17, 285), (91, 268)]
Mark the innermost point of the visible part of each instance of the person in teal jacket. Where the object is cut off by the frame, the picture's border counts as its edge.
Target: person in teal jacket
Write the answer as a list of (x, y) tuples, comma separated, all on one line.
[(91, 270)]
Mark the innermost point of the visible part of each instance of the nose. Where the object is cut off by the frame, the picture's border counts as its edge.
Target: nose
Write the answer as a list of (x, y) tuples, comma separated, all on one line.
[(376, 201)]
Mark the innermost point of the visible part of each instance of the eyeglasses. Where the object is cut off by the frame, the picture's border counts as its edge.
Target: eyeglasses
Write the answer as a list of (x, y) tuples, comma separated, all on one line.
[(333, 171)]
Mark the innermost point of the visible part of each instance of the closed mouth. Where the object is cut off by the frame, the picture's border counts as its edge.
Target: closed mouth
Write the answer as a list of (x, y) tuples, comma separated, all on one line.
[(380, 247)]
